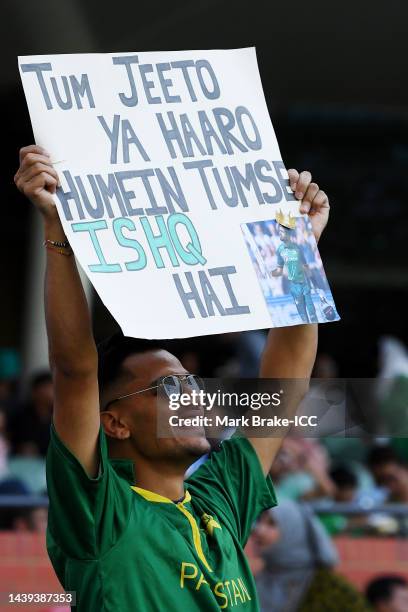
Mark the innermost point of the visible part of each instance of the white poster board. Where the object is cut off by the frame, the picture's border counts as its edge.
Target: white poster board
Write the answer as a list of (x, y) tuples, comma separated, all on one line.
[(162, 157)]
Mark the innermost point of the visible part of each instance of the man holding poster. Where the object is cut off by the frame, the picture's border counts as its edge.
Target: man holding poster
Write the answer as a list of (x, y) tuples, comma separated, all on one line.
[(159, 153), (125, 531)]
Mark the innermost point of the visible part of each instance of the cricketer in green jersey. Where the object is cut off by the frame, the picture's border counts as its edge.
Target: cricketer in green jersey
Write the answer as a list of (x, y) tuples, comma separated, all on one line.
[(125, 531), (290, 257)]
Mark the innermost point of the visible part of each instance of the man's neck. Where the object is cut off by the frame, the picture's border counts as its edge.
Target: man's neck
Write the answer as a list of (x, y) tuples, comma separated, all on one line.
[(162, 479)]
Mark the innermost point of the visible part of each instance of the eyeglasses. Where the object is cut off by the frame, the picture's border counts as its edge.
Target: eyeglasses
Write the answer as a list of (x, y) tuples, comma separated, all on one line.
[(171, 385)]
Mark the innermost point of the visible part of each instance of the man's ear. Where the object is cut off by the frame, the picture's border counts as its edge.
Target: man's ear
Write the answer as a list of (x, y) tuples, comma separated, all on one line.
[(114, 426)]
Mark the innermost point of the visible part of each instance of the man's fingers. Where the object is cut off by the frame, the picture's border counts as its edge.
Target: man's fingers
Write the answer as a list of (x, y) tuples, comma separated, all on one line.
[(45, 181), (320, 205), (37, 184), (320, 200), (36, 168), (308, 198), (24, 151), (303, 183), (33, 158), (293, 178), (50, 182)]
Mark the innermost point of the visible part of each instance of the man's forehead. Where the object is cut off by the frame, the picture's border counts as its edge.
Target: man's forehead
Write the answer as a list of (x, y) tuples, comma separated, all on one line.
[(152, 364)]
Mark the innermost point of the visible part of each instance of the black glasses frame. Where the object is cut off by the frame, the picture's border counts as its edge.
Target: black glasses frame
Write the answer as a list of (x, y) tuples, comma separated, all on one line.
[(161, 383)]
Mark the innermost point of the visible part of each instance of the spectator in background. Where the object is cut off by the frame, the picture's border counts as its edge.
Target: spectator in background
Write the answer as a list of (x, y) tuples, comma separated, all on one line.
[(24, 519), (390, 472), (345, 489), (19, 474), (290, 543), (301, 470), (292, 558), (9, 373), (388, 594), (345, 484), (29, 425), (392, 393), (33, 520), (4, 444), (9, 485)]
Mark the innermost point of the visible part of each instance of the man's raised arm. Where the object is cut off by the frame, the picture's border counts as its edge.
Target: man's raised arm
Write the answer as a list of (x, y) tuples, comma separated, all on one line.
[(72, 350), (290, 352)]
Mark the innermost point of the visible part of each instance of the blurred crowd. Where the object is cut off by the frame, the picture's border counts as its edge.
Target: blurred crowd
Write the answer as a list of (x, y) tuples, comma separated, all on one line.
[(24, 436), (291, 550)]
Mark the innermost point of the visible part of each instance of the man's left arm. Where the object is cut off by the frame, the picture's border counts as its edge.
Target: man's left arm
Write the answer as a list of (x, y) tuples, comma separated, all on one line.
[(290, 352)]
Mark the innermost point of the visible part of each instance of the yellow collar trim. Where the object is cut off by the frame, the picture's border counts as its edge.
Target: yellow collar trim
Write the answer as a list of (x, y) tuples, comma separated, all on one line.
[(155, 497), (196, 534)]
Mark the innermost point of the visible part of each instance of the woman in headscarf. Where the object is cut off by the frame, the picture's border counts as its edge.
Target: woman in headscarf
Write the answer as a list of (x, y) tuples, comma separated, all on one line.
[(292, 558)]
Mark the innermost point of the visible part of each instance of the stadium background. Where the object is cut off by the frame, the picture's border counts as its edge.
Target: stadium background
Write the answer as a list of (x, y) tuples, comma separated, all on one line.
[(336, 84)]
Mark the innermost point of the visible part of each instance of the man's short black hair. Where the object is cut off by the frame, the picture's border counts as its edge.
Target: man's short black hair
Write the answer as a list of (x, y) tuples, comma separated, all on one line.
[(343, 477), (381, 455), (113, 351), (381, 590)]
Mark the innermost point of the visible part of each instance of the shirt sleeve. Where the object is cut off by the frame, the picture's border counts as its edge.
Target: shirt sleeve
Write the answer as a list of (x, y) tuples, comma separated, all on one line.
[(232, 484), (86, 515)]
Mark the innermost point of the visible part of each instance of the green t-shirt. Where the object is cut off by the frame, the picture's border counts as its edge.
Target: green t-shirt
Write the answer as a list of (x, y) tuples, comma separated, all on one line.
[(291, 256), (123, 548)]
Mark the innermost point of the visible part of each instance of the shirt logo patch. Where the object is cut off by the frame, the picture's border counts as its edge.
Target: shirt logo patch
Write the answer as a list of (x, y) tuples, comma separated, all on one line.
[(210, 524)]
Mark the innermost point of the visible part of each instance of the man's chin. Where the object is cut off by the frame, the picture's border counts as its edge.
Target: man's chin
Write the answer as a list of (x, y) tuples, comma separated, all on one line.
[(195, 446)]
